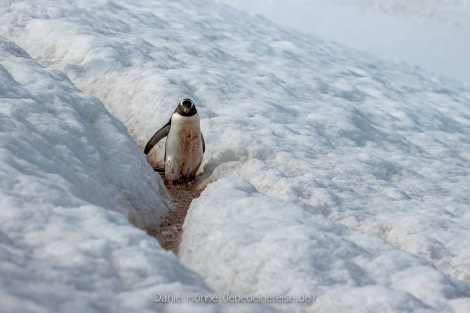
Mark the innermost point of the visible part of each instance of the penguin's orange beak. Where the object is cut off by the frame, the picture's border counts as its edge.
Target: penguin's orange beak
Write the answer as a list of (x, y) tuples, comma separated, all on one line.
[(185, 109)]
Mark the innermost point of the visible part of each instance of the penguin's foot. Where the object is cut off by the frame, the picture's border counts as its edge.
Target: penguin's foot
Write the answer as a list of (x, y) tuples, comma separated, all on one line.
[(186, 180)]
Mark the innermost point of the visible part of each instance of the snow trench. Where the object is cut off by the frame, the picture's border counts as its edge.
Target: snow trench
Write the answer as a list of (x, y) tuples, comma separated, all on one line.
[(68, 173), (169, 230)]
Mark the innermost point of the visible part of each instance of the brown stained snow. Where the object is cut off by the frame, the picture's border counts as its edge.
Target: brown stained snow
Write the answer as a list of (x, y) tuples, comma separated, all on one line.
[(169, 232)]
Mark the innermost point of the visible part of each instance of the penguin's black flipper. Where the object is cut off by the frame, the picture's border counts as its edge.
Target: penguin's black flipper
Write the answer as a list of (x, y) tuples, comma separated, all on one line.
[(159, 135), (203, 144)]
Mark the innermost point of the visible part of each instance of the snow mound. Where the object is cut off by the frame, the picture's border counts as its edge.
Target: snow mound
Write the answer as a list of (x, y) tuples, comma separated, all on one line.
[(70, 179), (62, 148), (243, 242)]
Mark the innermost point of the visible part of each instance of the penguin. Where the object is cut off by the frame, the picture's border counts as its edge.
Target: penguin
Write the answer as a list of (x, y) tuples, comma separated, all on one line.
[(184, 147)]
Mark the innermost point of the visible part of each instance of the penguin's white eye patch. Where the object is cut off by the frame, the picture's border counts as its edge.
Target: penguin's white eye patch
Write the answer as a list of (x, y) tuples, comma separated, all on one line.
[(187, 103)]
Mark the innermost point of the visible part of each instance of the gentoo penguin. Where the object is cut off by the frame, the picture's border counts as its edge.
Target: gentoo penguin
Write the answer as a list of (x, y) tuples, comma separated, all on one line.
[(184, 145)]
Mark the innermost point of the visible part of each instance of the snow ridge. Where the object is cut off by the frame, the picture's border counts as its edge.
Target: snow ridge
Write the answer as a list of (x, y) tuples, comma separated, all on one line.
[(42, 112), (68, 173)]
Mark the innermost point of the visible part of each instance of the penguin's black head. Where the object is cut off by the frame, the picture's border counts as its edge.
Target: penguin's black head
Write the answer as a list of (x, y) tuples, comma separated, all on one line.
[(186, 108)]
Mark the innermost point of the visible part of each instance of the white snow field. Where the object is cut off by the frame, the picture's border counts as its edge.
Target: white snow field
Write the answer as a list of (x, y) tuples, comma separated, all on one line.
[(331, 173), (432, 34)]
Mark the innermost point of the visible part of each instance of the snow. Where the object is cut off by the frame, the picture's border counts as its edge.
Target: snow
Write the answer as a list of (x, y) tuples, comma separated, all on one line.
[(303, 253), (330, 172), (432, 34), (71, 179), (63, 145)]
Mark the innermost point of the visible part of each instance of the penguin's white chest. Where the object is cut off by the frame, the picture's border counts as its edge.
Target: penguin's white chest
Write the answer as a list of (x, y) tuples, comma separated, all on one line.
[(183, 148)]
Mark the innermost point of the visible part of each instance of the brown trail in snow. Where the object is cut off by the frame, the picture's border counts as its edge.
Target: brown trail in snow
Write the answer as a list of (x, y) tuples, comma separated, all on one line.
[(169, 232)]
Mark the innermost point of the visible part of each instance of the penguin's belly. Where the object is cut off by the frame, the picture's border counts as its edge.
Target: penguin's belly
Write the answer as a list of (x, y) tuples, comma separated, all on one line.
[(183, 154)]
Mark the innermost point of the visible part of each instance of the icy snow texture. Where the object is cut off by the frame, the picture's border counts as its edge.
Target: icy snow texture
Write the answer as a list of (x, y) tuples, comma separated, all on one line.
[(62, 147), (264, 250), (302, 136), (67, 168), (432, 34), (446, 11)]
